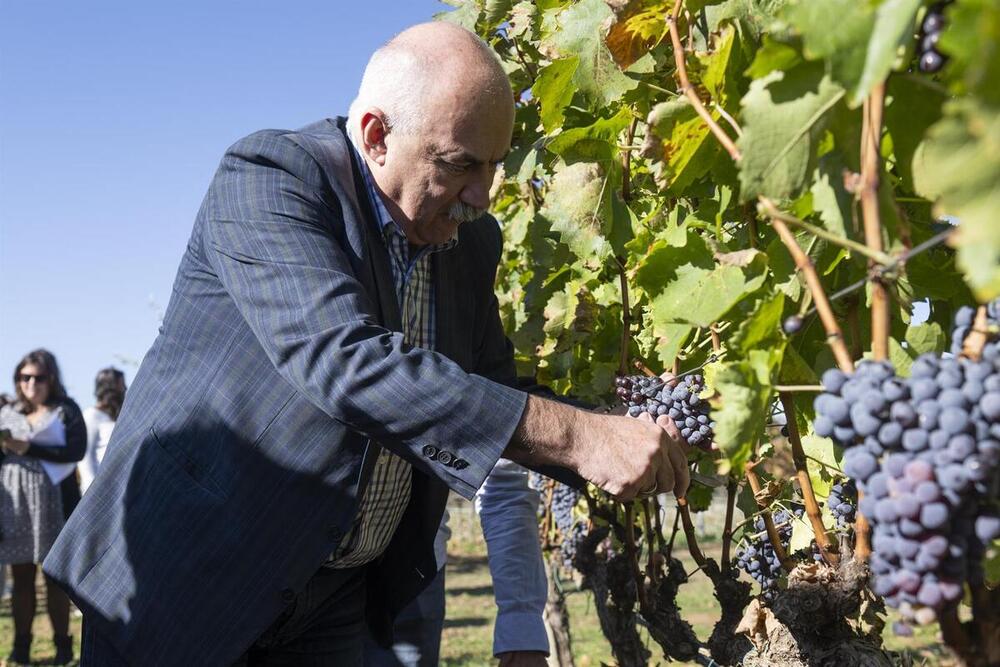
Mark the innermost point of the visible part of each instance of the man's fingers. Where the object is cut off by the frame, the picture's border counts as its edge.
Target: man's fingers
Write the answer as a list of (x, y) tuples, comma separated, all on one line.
[(665, 478), (668, 379), (645, 416), (668, 425), (682, 475)]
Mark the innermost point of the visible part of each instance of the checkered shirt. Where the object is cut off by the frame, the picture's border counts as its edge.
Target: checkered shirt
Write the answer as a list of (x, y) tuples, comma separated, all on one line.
[(388, 490)]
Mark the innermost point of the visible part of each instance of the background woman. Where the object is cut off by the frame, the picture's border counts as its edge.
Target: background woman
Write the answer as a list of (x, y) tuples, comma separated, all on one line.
[(109, 389), (38, 490)]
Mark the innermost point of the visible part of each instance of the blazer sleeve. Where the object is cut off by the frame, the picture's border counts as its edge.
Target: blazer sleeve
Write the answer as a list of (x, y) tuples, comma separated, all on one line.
[(76, 438), (268, 224)]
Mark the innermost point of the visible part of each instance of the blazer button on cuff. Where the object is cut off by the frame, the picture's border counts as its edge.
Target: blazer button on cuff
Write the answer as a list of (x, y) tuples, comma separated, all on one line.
[(460, 464), (287, 594), (430, 451), (446, 457)]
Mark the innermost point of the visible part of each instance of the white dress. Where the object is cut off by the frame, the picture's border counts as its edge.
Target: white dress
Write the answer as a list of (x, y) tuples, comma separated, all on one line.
[(99, 427)]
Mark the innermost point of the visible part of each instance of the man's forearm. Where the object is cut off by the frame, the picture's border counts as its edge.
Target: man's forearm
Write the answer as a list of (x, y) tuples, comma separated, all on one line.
[(545, 433)]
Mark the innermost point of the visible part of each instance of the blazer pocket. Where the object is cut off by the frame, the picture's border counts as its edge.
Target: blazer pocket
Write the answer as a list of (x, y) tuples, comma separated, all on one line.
[(187, 465)]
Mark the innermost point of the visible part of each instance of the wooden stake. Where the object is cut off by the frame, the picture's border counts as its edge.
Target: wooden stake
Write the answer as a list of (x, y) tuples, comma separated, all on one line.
[(871, 138), (835, 338), (827, 548), (772, 531)]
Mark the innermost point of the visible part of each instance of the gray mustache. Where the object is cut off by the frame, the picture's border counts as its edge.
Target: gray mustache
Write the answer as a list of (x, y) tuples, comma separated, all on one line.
[(462, 212)]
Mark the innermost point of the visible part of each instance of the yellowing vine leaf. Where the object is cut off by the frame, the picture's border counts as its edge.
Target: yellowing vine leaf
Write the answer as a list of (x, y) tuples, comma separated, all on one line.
[(584, 207), (637, 26)]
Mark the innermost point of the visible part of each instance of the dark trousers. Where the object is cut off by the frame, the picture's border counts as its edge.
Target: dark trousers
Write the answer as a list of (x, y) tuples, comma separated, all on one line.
[(416, 631), (323, 625)]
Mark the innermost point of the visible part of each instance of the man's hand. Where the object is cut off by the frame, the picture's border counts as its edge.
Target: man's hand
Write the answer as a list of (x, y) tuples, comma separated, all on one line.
[(523, 659), (678, 450), (621, 455)]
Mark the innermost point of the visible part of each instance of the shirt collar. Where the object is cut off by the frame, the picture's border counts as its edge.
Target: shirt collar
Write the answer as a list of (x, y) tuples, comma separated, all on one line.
[(385, 220)]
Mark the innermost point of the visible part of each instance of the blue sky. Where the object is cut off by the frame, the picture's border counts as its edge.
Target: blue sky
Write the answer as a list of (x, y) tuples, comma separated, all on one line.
[(113, 118)]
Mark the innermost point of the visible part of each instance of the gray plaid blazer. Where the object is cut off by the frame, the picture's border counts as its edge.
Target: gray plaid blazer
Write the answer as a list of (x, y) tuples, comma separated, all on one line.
[(249, 432)]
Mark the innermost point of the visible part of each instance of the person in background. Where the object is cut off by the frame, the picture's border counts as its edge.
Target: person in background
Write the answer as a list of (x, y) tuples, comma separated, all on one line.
[(5, 589), (44, 435), (109, 389), (507, 507)]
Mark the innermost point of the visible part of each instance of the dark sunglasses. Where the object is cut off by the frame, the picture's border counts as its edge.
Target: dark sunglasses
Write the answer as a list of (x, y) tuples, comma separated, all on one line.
[(25, 377)]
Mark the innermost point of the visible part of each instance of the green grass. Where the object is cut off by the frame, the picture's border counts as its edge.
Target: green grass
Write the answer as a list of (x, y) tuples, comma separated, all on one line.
[(42, 649)]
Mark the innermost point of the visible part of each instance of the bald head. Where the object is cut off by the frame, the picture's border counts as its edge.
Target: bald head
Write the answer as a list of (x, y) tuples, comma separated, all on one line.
[(427, 71)]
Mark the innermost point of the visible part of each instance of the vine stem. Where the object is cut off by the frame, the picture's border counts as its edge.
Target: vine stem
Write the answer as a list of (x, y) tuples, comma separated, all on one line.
[(619, 261), (854, 322), (627, 163), (673, 534), (871, 138), (533, 73), (772, 530), (658, 525), (692, 539), (689, 90), (835, 338), (547, 522), (626, 318), (827, 548), (650, 537), (727, 530), (633, 554), (875, 255), (792, 388)]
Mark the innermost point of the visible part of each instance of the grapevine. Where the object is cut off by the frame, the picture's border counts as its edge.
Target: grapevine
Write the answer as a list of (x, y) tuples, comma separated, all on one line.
[(751, 209)]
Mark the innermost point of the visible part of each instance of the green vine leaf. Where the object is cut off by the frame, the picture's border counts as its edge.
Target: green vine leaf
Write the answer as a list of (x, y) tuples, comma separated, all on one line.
[(784, 116), (594, 143), (762, 328), (959, 167), (743, 404), (578, 30), (554, 90), (861, 51)]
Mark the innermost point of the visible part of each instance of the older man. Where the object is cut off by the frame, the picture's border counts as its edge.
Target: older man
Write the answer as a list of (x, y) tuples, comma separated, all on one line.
[(331, 362)]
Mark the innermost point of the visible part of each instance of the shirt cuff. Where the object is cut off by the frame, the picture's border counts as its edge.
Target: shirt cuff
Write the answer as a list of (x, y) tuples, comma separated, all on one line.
[(519, 631)]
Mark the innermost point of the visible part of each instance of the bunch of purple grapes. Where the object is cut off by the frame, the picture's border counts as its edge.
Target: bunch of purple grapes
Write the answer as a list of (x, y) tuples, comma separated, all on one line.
[(757, 557), (843, 501), (571, 531), (930, 59), (924, 451), (679, 400)]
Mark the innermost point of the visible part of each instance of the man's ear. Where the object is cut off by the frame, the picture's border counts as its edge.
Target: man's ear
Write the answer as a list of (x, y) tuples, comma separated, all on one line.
[(373, 131)]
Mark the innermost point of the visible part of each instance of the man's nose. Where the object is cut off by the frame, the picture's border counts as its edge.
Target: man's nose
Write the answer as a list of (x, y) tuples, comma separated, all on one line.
[(477, 190)]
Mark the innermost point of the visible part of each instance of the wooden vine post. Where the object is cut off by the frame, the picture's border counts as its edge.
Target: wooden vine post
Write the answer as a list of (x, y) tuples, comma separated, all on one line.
[(827, 548), (871, 136)]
